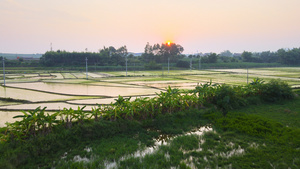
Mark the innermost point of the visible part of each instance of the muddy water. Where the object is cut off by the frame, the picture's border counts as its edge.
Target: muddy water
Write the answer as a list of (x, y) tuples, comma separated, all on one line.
[(57, 75), (7, 116), (158, 142), (115, 84), (32, 96), (176, 85), (103, 101), (50, 106), (97, 75), (84, 89)]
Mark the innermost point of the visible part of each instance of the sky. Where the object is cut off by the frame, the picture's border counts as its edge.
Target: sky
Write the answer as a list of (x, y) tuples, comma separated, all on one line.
[(31, 26)]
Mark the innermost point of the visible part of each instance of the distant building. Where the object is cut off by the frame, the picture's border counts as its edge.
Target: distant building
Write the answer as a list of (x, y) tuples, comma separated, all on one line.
[(15, 56), (30, 59)]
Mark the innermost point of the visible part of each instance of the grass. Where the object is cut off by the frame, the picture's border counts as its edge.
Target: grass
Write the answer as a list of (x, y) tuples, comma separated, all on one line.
[(104, 142), (6, 103), (287, 113), (232, 148)]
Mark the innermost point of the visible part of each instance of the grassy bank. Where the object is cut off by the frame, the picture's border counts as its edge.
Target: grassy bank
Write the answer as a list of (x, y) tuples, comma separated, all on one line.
[(254, 127)]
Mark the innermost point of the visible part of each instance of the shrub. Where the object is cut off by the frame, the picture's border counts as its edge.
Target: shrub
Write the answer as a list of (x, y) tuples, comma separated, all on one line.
[(276, 90), (226, 98)]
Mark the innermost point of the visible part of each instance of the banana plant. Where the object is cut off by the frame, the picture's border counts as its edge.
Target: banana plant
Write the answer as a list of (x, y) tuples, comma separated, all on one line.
[(16, 131), (108, 112), (121, 100), (51, 121), (67, 116), (32, 120), (96, 113), (79, 114)]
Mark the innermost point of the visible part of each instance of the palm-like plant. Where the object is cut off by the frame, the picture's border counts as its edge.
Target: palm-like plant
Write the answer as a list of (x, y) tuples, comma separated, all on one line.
[(96, 112), (32, 121), (79, 114), (67, 115)]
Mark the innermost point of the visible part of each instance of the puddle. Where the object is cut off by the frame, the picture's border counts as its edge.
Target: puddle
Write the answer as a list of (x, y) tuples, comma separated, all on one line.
[(200, 131), (165, 140), (234, 152), (161, 140), (81, 159)]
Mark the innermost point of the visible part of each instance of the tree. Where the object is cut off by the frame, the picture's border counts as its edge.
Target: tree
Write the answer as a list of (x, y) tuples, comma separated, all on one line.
[(122, 51), (247, 56), (212, 58), (290, 57), (160, 53), (268, 57), (148, 49), (148, 55), (226, 53)]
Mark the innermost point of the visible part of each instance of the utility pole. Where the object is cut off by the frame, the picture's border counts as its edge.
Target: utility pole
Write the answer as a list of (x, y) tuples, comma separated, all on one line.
[(134, 70), (3, 70), (126, 64), (199, 62), (86, 67), (191, 63), (168, 65), (247, 75)]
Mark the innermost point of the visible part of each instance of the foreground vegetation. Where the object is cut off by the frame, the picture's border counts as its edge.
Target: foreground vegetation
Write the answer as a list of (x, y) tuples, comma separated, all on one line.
[(108, 133)]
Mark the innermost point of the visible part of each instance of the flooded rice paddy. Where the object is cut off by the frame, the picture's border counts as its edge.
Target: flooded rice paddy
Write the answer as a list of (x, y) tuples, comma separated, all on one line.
[(104, 100), (32, 96), (71, 89), (85, 89)]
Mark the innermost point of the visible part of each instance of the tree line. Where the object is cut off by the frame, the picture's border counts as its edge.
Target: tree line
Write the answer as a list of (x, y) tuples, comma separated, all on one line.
[(156, 56), (283, 56), (106, 56)]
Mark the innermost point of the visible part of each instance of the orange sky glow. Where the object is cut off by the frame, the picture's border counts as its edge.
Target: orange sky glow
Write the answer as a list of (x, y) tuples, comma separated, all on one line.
[(197, 25)]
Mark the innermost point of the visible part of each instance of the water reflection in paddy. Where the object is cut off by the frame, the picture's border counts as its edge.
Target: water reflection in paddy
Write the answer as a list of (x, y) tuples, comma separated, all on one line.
[(57, 75), (103, 101), (85, 89), (50, 106), (7, 116), (161, 140), (32, 96)]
